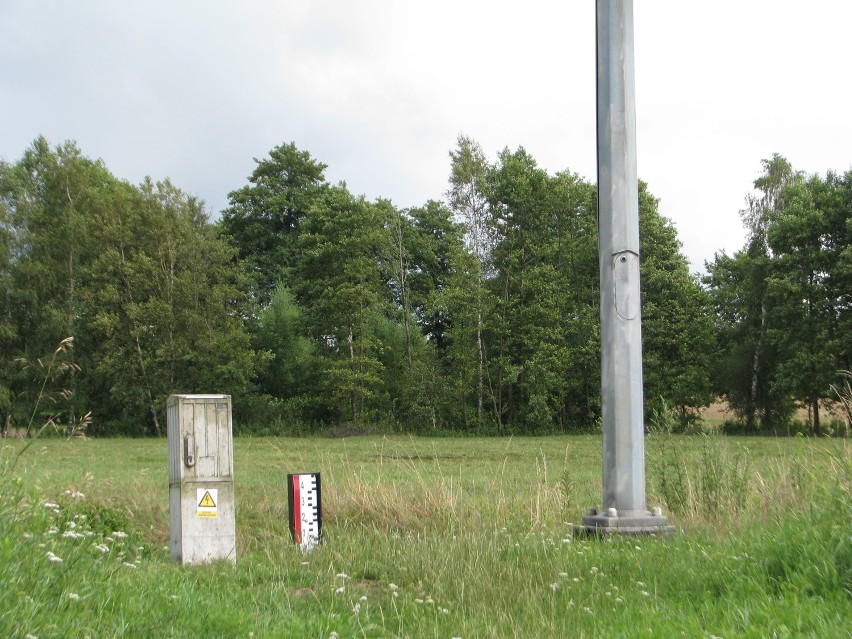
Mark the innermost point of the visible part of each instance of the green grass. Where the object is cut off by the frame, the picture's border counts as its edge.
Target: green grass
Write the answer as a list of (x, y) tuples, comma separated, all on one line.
[(436, 538)]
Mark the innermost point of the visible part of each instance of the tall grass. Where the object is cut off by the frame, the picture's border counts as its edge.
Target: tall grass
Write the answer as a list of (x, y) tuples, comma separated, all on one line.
[(431, 538)]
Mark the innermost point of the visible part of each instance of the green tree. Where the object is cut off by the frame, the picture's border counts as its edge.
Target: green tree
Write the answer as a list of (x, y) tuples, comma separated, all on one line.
[(677, 325), (264, 217), (741, 295), (468, 198), (48, 195), (438, 262), (436, 246), (136, 274), (8, 334), (834, 199), (576, 232), (166, 305), (339, 284), (538, 303), (527, 290), (462, 306), (809, 237), (777, 175), (290, 373), (802, 313)]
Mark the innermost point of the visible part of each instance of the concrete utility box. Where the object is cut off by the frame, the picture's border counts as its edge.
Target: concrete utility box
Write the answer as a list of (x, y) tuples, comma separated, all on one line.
[(201, 479)]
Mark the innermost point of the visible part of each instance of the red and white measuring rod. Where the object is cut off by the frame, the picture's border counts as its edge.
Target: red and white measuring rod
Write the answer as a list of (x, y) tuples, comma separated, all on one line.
[(304, 498)]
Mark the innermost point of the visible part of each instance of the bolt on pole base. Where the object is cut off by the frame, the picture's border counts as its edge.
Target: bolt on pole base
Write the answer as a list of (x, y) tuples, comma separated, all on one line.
[(625, 523)]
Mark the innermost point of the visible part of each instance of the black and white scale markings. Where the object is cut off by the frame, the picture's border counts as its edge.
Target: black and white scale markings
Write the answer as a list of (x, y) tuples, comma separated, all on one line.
[(304, 499)]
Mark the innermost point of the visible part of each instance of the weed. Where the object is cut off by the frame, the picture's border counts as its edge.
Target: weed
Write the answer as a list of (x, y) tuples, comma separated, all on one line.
[(843, 391), (566, 490), (669, 462)]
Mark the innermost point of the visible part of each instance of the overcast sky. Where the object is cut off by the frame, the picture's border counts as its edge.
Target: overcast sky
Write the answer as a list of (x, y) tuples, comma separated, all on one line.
[(379, 90)]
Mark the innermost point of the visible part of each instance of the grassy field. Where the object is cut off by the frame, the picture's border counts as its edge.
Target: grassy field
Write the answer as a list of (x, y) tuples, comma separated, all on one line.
[(433, 538)]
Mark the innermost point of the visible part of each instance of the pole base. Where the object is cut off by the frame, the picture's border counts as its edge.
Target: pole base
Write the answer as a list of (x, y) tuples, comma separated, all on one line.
[(639, 522)]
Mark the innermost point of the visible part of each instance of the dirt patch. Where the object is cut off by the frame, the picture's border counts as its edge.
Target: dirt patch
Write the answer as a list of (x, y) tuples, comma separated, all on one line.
[(301, 593)]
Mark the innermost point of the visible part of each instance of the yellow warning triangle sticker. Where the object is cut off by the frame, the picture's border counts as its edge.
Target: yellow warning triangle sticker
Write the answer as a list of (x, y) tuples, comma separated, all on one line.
[(207, 501)]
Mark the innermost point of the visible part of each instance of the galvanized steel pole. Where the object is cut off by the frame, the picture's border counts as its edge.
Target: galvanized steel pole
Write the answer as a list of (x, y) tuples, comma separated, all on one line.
[(624, 508)]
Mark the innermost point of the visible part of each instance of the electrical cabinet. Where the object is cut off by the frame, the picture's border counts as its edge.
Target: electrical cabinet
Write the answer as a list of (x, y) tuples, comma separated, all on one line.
[(202, 512)]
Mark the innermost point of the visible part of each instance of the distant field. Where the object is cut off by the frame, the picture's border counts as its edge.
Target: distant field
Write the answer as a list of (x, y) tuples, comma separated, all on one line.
[(719, 412), (436, 538)]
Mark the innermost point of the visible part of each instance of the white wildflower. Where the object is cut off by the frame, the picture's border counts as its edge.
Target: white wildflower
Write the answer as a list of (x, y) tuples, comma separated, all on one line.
[(443, 611), (554, 587), (363, 599), (53, 558), (646, 593), (641, 584), (70, 534), (71, 525), (563, 575), (73, 596), (342, 575), (576, 580), (393, 587), (618, 600), (587, 609), (418, 601), (30, 637), (356, 609), (340, 590), (129, 565), (101, 548), (51, 506), (119, 534)]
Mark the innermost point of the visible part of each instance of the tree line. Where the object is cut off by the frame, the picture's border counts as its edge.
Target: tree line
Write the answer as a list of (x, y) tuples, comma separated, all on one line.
[(476, 312), (782, 303)]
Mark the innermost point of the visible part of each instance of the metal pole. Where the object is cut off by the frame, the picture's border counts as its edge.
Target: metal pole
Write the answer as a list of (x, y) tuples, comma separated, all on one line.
[(624, 508)]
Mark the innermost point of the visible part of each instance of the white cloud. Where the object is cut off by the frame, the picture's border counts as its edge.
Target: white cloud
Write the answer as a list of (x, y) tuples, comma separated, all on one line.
[(380, 89)]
